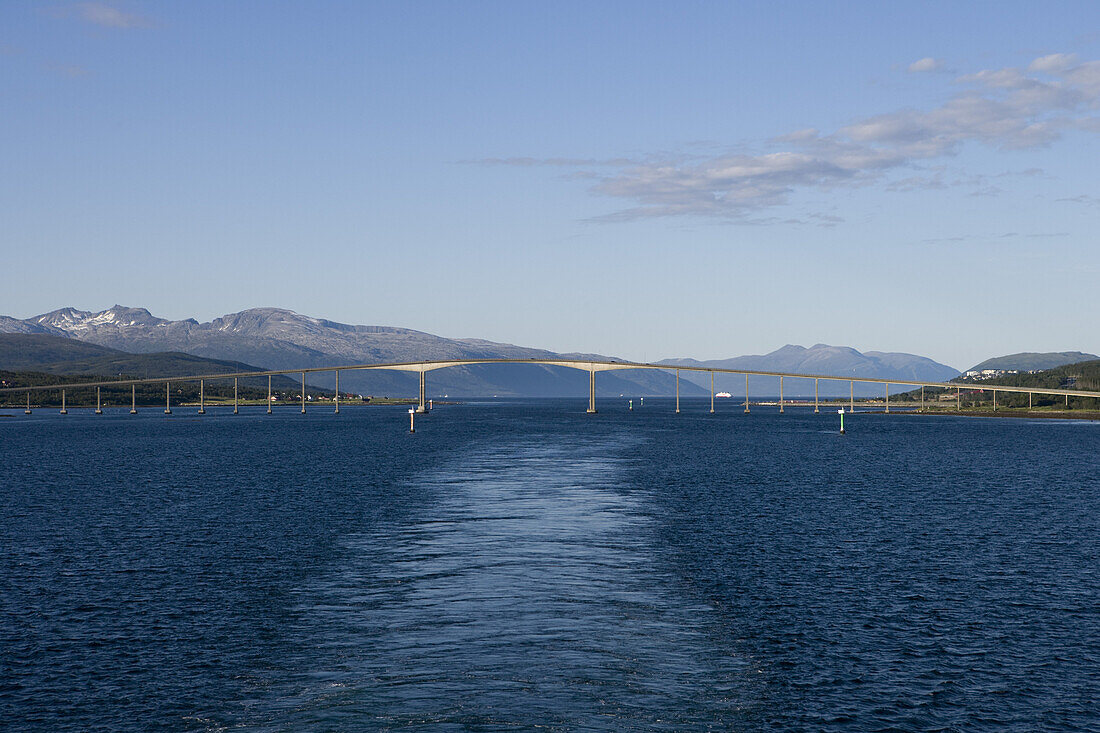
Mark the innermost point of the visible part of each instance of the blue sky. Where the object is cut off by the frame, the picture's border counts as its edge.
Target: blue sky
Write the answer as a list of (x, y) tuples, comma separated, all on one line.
[(644, 180)]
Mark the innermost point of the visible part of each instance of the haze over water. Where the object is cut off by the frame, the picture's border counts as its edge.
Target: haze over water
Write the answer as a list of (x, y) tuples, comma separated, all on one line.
[(514, 565)]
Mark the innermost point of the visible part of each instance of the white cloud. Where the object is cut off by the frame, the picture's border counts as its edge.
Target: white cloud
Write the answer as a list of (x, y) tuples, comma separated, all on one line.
[(102, 14), (926, 64), (1008, 108)]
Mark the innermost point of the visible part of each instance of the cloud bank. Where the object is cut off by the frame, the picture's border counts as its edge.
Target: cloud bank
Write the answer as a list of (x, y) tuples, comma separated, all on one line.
[(1008, 109)]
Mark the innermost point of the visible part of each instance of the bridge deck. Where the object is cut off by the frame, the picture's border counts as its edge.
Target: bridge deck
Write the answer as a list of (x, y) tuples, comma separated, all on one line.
[(587, 365)]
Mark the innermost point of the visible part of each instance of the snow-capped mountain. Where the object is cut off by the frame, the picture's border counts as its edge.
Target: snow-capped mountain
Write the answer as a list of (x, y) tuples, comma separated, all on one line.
[(276, 338)]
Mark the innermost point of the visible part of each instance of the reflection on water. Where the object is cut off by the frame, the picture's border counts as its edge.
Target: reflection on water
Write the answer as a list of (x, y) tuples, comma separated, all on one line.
[(526, 594)]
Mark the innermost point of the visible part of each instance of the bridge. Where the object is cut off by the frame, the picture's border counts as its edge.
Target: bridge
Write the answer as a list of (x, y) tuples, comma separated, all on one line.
[(588, 365)]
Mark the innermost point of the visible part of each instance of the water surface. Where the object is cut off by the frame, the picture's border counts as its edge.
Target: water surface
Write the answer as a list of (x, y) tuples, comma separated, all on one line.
[(514, 565)]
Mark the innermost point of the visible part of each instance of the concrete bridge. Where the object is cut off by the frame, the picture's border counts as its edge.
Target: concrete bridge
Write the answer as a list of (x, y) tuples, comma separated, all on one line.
[(587, 365)]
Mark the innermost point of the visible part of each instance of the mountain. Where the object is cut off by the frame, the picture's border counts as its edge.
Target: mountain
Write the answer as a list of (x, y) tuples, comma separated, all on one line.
[(841, 361), (26, 352), (1032, 361), (281, 339)]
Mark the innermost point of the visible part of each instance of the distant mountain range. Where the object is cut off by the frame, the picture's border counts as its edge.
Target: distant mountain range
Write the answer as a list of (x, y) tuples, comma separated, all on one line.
[(274, 338), (822, 359), (1032, 361)]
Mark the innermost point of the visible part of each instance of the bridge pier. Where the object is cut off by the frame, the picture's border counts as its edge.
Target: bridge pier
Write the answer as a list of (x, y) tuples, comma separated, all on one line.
[(746, 394), (167, 398), (994, 400), (133, 399), (63, 410), (887, 398), (303, 393), (851, 396), (591, 391), (781, 395), (958, 399), (202, 397), (922, 398), (815, 397), (677, 391), (98, 402), (1029, 396), (712, 393), (422, 405), (235, 408), (28, 410), (268, 394), (336, 399)]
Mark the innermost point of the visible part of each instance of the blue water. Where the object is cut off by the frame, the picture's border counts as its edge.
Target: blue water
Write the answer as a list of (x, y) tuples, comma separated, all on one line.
[(522, 565)]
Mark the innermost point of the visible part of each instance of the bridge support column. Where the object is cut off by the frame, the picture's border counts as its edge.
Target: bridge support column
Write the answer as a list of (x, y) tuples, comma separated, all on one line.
[(63, 410), (815, 397), (746, 394), (422, 405), (1029, 396), (851, 396), (336, 399), (98, 402), (781, 395), (712, 393), (677, 391), (268, 394), (303, 393), (167, 398), (591, 391), (133, 399), (236, 410), (887, 398), (202, 397), (922, 398), (994, 400), (28, 410), (958, 399)]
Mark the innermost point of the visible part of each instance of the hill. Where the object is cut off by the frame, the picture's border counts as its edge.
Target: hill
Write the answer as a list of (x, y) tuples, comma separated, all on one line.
[(1034, 361), (57, 355), (819, 359)]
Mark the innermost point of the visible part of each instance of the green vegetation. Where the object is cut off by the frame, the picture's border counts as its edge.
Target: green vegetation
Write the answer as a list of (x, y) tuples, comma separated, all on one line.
[(1031, 361), (216, 391), (976, 395)]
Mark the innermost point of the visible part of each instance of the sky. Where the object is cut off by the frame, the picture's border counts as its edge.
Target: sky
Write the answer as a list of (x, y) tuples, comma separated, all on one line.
[(644, 180)]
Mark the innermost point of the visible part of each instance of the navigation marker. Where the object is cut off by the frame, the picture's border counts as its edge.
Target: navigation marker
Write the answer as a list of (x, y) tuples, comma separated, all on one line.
[(841, 413)]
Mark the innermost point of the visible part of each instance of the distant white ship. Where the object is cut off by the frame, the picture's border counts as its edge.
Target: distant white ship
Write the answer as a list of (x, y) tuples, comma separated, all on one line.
[(722, 394)]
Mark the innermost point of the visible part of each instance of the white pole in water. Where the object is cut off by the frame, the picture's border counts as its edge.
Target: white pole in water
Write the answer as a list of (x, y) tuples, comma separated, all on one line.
[(63, 410), (631, 403), (746, 393), (303, 393), (712, 393), (167, 398), (236, 411), (841, 413), (412, 420), (133, 399), (268, 394), (337, 397), (28, 410), (98, 407), (202, 401), (677, 391)]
